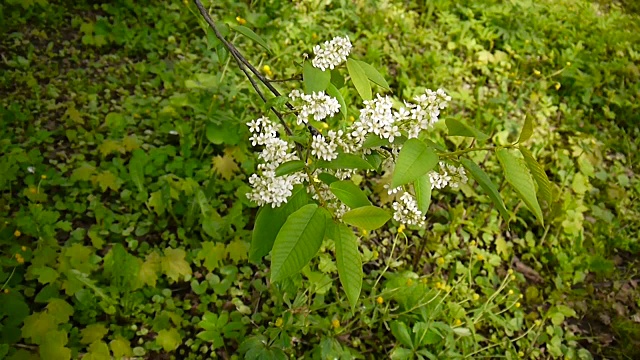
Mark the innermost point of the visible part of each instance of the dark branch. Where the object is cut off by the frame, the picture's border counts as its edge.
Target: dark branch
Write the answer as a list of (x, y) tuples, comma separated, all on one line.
[(244, 65)]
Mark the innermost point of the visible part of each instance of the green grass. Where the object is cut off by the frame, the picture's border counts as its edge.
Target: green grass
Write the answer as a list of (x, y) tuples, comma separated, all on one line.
[(125, 161)]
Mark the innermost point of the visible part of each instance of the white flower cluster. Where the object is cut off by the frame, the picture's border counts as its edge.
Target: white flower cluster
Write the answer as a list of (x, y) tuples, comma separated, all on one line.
[(267, 188), (448, 175), (376, 118), (318, 105), (407, 212), (331, 53), (322, 149), (424, 113)]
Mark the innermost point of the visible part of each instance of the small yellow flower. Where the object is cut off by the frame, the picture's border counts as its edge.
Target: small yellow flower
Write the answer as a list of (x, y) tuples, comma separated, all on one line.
[(517, 82), (520, 353), (457, 322), (33, 190), (325, 125), (438, 285), (401, 229), (43, 177), (266, 68), (521, 296), (537, 72), (364, 232), (510, 292), (480, 257), (20, 259), (475, 297), (409, 282), (279, 322), (379, 300), (518, 304), (6, 291), (513, 277), (351, 118), (375, 254), (24, 248), (510, 271), (314, 36), (472, 243), (240, 20), (440, 261), (568, 63), (538, 322), (335, 323), (17, 233), (558, 86)]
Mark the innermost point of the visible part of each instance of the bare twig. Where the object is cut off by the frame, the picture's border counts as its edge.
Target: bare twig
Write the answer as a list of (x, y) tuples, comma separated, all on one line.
[(295, 78), (244, 65)]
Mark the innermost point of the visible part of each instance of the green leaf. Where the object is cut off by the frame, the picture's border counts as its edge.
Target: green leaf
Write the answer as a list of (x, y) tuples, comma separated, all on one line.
[(327, 178), (457, 128), (487, 185), (544, 185), (400, 331), (136, 169), (367, 217), (212, 254), (415, 159), (373, 75), (37, 326), (174, 265), (314, 79), (169, 339), (349, 263), (251, 35), (520, 179), (289, 167), (527, 130), (298, 241), (349, 193), (237, 250), (359, 79), (422, 186), (45, 274), (269, 221), (345, 161), (93, 332), (98, 351), (53, 346), (373, 140), (60, 309), (333, 91), (149, 269), (120, 348)]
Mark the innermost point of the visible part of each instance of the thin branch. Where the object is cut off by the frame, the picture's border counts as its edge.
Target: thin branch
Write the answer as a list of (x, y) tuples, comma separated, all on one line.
[(242, 62), (296, 78)]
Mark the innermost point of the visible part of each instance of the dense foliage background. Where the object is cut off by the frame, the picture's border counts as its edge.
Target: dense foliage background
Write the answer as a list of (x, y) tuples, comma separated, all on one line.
[(124, 227)]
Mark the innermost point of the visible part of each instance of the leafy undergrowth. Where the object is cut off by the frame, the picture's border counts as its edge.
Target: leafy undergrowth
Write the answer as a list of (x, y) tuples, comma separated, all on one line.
[(125, 229)]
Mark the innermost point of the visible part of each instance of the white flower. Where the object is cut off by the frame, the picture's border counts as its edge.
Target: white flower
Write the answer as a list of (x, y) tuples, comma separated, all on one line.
[(331, 53), (322, 149), (376, 118), (448, 175), (31, 169), (407, 212), (173, 132), (424, 113), (318, 105), (267, 188)]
